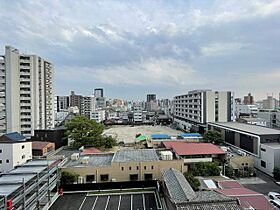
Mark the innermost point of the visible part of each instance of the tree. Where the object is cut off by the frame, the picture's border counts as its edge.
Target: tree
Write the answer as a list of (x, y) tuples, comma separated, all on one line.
[(194, 182), (68, 178), (276, 173), (205, 169), (229, 171), (86, 132), (212, 136)]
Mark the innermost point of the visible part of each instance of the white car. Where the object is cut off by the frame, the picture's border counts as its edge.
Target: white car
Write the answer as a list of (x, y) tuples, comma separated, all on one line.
[(276, 204), (274, 195)]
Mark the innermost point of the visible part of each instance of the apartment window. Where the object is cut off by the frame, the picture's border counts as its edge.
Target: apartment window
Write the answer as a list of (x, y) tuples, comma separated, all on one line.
[(152, 167), (90, 178), (122, 168), (0, 161), (262, 149), (263, 164), (104, 177), (0, 150), (145, 167), (7, 161), (22, 147), (130, 168), (133, 177), (137, 167)]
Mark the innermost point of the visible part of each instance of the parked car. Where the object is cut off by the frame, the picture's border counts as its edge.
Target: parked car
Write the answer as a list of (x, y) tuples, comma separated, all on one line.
[(274, 196), (276, 204)]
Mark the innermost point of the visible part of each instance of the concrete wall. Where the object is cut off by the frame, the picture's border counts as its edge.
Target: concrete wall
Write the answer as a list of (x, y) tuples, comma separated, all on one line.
[(122, 171)]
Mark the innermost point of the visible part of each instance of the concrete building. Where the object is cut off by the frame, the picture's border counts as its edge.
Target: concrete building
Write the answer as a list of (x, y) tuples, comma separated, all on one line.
[(124, 165), (42, 148), (98, 115), (76, 100), (34, 185), (88, 106), (137, 117), (151, 97), (98, 92), (246, 110), (248, 100), (63, 103), (271, 116), (14, 151), (26, 93), (270, 103), (196, 108), (260, 142)]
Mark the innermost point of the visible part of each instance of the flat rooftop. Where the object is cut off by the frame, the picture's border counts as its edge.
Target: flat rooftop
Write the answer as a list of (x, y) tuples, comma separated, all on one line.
[(135, 155), (253, 129), (93, 160)]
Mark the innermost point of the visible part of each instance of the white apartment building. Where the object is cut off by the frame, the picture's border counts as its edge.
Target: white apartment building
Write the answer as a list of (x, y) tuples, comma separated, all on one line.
[(246, 110), (88, 105), (271, 116), (98, 115), (138, 116), (26, 93), (14, 151), (198, 107)]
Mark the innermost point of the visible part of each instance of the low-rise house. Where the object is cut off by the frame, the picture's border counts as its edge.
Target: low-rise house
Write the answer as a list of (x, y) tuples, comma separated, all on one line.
[(180, 196)]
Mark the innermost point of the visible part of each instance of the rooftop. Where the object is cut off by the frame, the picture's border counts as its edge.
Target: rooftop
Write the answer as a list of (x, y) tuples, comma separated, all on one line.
[(160, 136), (253, 129), (178, 187), (189, 135), (135, 155), (229, 184), (38, 145), (188, 148), (92, 160), (12, 137)]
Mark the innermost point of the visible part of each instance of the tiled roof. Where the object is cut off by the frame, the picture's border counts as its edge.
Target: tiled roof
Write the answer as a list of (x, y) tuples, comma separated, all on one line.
[(229, 184), (135, 155), (186, 148), (40, 144), (178, 187), (15, 136), (91, 150), (237, 192), (257, 202)]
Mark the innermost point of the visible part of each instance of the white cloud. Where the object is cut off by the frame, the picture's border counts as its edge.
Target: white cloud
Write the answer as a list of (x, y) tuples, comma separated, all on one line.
[(221, 49)]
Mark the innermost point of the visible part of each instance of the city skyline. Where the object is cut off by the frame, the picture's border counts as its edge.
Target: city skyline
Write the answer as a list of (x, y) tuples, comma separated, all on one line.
[(135, 48)]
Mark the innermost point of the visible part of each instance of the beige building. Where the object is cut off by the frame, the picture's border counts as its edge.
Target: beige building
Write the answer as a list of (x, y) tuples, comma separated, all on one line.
[(124, 165)]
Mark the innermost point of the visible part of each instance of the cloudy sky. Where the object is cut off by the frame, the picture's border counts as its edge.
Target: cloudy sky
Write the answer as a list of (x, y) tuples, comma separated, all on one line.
[(132, 48)]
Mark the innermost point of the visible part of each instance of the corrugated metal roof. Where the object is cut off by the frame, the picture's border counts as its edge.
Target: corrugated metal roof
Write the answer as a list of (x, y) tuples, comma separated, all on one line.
[(15, 136), (189, 135), (160, 136)]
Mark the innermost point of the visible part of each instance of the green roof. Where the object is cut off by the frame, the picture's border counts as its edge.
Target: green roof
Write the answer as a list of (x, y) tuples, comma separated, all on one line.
[(141, 138)]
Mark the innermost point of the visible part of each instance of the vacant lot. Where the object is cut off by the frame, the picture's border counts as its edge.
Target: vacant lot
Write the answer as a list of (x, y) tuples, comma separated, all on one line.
[(127, 133)]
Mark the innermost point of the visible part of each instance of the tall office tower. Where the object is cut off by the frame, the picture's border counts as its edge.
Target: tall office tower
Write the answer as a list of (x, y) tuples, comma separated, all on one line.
[(26, 93), (76, 100), (151, 97), (98, 92), (198, 107), (63, 103), (249, 99)]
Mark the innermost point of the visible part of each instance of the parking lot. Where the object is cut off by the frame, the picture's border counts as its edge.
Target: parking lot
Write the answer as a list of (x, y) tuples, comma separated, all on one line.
[(84, 201)]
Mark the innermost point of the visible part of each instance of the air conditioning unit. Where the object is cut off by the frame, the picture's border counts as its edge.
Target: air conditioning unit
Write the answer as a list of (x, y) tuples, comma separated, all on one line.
[(75, 156), (85, 160)]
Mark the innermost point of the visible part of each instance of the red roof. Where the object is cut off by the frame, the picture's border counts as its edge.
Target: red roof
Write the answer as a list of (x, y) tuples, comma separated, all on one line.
[(237, 192), (38, 145), (257, 202), (91, 150), (229, 184), (186, 148)]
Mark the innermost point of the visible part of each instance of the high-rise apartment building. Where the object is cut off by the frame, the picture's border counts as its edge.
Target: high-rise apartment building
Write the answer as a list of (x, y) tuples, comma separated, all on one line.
[(26, 93), (76, 100), (198, 107), (151, 104), (63, 103), (88, 106), (151, 97)]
